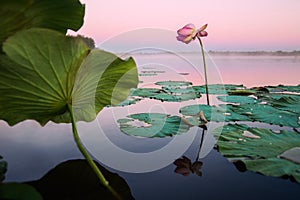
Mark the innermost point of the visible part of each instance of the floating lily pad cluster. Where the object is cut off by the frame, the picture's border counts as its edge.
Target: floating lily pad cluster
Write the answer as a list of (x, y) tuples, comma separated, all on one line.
[(277, 109), (153, 125), (218, 88), (269, 152), (171, 91), (212, 113)]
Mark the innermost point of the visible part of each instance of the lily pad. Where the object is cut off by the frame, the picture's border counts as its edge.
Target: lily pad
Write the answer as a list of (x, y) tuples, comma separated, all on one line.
[(181, 90), (281, 88), (74, 179), (58, 15), (217, 88), (153, 125), (130, 100), (260, 154), (266, 114), (172, 91), (213, 113), (145, 92), (284, 102), (40, 81), (18, 191), (176, 97), (238, 99), (173, 83)]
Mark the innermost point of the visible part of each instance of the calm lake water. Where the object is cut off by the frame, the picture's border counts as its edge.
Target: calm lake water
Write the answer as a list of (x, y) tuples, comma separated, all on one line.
[(146, 163)]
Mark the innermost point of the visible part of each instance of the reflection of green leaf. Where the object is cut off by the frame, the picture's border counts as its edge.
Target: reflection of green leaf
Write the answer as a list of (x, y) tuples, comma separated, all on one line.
[(18, 191), (261, 155), (74, 179), (152, 125), (41, 83), (53, 14), (3, 168)]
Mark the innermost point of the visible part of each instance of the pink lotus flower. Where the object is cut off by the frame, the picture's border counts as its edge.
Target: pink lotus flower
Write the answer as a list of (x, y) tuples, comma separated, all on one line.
[(189, 33)]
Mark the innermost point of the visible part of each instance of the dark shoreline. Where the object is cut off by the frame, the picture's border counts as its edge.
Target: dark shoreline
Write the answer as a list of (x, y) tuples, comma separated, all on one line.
[(227, 53), (255, 53)]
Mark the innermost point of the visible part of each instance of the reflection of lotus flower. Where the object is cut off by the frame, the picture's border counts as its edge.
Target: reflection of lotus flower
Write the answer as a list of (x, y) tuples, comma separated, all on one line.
[(185, 166), (196, 167)]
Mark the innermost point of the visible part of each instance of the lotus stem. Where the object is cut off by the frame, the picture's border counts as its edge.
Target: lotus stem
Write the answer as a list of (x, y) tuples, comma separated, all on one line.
[(201, 143), (205, 73), (88, 157)]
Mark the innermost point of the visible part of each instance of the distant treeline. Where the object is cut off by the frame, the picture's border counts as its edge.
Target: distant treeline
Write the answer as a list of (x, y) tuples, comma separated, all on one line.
[(256, 53)]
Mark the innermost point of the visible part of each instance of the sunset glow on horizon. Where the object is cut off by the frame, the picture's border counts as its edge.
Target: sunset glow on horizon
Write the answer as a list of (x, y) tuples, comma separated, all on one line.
[(234, 25)]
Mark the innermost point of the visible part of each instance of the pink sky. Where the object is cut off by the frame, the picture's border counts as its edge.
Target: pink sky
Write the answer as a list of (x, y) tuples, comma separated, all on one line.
[(233, 24)]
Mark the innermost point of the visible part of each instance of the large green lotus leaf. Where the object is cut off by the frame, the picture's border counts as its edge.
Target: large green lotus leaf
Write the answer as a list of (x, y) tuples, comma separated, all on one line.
[(56, 14), (260, 149), (3, 168), (153, 125), (217, 88), (213, 113), (237, 99), (53, 14), (267, 114), (12, 14), (74, 179), (55, 71), (103, 79), (18, 191)]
